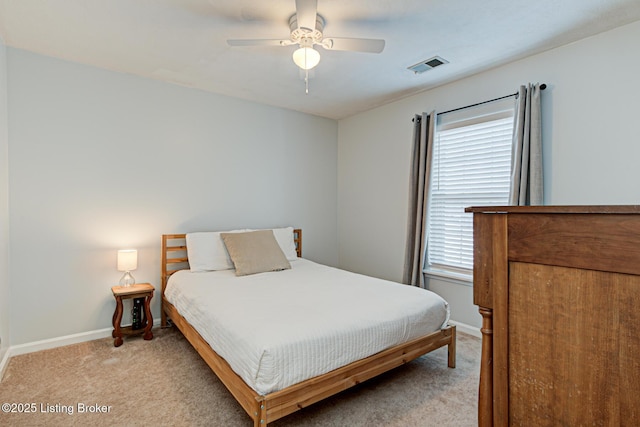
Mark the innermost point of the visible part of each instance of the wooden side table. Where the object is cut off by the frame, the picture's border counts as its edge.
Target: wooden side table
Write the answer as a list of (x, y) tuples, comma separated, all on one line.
[(139, 290)]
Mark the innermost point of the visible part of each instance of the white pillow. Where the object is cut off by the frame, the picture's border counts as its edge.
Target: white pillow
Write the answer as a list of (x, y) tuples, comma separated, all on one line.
[(206, 251), (284, 237)]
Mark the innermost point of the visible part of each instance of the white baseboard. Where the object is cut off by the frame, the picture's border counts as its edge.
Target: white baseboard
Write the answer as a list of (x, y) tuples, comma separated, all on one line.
[(47, 344), (467, 329), (59, 341)]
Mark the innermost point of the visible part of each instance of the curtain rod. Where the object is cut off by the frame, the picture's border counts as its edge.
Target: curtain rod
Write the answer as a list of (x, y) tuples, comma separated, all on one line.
[(543, 86)]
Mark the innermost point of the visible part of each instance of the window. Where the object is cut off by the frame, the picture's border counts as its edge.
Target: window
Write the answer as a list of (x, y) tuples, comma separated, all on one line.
[(471, 167)]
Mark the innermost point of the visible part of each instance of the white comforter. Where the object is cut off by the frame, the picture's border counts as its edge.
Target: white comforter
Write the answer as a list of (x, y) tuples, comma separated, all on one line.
[(279, 328)]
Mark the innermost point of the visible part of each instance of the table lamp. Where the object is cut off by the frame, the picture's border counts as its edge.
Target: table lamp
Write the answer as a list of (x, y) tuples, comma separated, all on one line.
[(127, 261)]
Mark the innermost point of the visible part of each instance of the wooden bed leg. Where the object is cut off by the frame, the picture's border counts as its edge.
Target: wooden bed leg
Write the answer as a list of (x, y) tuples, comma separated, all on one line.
[(261, 415), (451, 349), (485, 392)]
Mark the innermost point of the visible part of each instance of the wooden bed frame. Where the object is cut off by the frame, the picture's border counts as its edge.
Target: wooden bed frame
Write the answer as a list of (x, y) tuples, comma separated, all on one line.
[(270, 407)]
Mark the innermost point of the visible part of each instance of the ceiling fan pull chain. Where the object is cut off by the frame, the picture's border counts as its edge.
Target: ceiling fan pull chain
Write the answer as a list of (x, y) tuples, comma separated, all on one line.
[(306, 82), (306, 74)]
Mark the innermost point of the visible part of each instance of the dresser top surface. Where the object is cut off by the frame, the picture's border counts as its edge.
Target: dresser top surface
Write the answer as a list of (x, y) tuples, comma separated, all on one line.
[(567, 209)]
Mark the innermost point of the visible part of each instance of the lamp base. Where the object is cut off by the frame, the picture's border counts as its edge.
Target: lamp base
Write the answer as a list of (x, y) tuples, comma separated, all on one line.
[(127, 280)]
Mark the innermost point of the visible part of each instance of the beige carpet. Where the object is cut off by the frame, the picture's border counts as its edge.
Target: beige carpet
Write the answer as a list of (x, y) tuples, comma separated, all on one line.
[(164, 382)]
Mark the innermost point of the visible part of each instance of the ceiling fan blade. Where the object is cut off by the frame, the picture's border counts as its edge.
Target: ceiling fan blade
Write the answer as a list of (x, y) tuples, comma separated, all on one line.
[(258, 42), (356, 45), (306, 11)]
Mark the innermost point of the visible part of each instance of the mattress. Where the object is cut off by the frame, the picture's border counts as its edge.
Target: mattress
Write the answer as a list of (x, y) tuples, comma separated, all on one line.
[(277, 329)]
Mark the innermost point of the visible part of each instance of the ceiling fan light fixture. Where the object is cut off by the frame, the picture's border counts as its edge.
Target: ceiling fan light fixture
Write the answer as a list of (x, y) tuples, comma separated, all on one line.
[(306, 57)]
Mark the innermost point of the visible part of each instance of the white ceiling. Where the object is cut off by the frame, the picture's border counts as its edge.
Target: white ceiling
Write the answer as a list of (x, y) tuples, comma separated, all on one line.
[(184, 42)]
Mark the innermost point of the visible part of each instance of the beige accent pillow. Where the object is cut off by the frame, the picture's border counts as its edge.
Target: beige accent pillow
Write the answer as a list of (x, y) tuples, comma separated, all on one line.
[(255, 252)]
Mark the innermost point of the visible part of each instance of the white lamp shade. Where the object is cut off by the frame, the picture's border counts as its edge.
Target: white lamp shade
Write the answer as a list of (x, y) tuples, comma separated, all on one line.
[(306, 58), (127, 259)]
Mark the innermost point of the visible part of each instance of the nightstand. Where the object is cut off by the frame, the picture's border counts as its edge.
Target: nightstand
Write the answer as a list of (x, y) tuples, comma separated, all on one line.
[(139, 290)]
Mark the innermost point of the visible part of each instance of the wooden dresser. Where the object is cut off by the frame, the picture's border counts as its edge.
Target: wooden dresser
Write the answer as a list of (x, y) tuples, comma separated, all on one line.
[(558, 288)]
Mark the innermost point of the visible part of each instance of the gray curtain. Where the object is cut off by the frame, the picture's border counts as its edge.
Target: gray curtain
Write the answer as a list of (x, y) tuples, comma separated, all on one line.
[(526, 156), (423, 135)]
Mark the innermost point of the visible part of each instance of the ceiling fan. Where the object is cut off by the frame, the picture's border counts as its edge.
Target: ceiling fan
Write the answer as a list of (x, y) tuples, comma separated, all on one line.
[(307, 28)]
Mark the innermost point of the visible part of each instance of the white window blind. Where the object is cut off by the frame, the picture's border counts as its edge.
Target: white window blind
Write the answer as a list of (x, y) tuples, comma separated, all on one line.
[(471, 167)]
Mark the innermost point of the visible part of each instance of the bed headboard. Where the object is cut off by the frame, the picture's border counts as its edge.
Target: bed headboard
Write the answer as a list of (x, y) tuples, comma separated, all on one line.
[(174, 253)]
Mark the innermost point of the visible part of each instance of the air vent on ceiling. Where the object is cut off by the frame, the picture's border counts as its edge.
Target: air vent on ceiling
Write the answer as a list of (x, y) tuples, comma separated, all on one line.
[(427, 64)]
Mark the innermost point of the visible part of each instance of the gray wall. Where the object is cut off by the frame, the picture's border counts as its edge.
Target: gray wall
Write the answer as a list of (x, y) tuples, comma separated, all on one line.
[(4, 208), (100, 161), (591, 148)]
